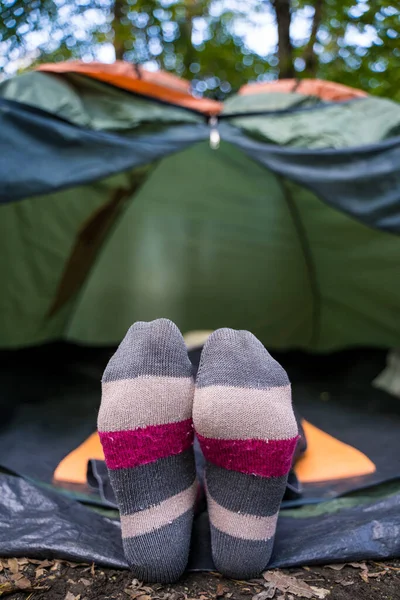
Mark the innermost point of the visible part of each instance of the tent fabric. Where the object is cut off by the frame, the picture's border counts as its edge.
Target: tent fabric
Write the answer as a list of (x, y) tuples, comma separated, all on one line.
[(123, 212)]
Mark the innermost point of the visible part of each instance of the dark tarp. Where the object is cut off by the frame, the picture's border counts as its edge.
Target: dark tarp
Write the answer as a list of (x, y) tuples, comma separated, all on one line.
[(41, 523), (56, 154), (364, 182)]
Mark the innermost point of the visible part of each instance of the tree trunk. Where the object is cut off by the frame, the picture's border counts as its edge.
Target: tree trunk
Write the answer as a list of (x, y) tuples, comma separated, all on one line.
[(116, 26), (310, 59), (285, 48), (194, 9)]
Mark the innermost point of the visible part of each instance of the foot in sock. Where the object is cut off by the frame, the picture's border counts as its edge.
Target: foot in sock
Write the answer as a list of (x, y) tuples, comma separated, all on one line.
[(145, 427), (243, 417)]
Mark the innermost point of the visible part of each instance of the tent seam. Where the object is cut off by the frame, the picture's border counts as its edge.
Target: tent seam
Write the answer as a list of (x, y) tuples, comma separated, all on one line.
[(131, 195), (309, 263)]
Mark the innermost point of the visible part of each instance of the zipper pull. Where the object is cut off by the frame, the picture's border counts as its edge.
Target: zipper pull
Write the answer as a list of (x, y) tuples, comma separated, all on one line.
[(215, 138)]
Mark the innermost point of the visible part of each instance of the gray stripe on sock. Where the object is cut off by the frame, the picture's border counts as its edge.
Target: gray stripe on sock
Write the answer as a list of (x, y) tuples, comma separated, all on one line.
[(150, 349), (237, 558), (238, 359), (141, 487), (161, 556), (243, 493)]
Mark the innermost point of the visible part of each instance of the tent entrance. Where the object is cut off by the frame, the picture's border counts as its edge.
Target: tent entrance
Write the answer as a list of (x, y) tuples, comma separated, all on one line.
[(51, 411)]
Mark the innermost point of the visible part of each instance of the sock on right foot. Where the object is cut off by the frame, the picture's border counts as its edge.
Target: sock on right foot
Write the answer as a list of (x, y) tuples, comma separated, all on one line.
[(244, 421)]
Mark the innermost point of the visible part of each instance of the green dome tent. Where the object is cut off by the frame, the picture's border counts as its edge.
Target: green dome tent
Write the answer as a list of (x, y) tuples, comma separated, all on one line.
[(123, 197), (115, 208)]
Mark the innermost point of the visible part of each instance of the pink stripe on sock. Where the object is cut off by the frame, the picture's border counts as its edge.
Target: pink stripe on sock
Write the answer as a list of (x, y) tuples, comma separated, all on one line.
[(254, 457), (125, 449)]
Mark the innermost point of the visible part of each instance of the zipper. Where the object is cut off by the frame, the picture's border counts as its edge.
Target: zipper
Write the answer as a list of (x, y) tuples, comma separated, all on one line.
[(215, 138)]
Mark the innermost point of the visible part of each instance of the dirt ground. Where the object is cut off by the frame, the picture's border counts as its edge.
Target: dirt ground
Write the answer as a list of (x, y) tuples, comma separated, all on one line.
[(26, 579)]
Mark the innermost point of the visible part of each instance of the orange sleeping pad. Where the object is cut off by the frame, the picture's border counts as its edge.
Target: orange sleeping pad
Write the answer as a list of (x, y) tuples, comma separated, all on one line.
[(326, 459)]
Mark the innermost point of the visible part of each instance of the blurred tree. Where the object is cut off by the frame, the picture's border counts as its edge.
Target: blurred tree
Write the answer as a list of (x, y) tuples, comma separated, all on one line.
[(211, 41), (357, 43)]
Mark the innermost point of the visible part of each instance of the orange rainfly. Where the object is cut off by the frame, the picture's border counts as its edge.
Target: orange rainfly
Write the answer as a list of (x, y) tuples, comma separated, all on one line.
[(171, 89), (158, 85), (326, 90)]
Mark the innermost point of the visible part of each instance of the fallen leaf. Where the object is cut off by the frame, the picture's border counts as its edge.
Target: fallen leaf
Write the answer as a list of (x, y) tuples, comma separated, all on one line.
[(320, 592), (71, 596), (357, 565), (286, 584), (220, 590), (17, 576), (39, 572), (346, 583), (6, 588), (364, 576), (133, 593), (45, 563), (86, 582), (23, 584), (22, 561), (13, 565), (337, 567), (387, 566), (92, 570), (270, 593), (378, 574)]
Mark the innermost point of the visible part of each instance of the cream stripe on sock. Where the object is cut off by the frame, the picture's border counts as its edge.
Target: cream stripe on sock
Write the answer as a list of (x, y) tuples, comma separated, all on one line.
[(270, 417), (243, 526), (143, 401), (157, 516)]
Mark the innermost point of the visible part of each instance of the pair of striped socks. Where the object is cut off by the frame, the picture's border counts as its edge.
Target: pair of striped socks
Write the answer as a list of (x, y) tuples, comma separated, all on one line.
[(240, 408)]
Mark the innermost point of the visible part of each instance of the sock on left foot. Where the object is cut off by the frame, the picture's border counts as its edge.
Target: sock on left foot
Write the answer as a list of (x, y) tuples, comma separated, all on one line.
[(145, 426)]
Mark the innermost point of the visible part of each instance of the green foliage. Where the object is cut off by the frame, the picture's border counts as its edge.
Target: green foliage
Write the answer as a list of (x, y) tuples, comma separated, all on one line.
[(355, 42), (358, 44)]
